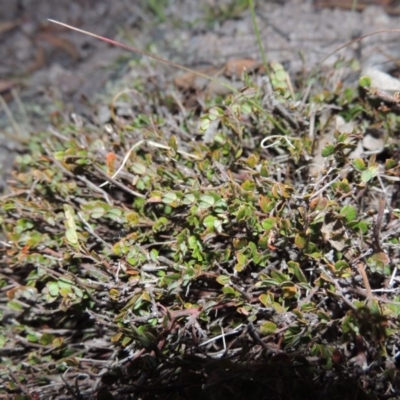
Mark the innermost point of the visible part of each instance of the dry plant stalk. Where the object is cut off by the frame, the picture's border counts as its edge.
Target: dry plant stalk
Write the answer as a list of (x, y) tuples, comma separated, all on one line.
[(147, 54), (199, 73)]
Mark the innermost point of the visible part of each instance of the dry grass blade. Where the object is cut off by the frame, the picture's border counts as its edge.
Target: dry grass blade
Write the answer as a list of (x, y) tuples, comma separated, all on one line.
[(147, 54), (354, 41)]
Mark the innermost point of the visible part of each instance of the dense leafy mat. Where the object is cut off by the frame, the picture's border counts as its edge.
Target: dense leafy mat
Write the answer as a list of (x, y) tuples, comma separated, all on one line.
[(143, 261)]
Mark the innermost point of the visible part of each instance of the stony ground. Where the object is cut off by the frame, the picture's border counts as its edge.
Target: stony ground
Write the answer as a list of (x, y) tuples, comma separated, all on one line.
[(47, 64)]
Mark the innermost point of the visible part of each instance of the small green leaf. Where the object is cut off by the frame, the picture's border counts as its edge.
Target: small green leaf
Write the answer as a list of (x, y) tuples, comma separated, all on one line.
[(229, 290), (341, 264), (97, 212), (209, 221), (390, 163), (279, 276), (349, 212), (46, 339), (267, 328), (57, 342), (32, 338), (64, 284), (188, 198), (368, 174), (245, 108), (220, 206), (132, 218), (344, 186), (53, 288), (328, 150), (205, 124), (394, 307), (253, 160), (265, 299), (59, 155), (362, 226), (71, 236), (289, 289), (215, 113), (206, 201), (113, 294), (248, 185), (3, 341), (268, 223), (173, 143), (241, 261), (138, 168), (365, 81), (223, 279), (359, 164), (78, 292), (298, 273), (169, 197), (15, 305), (300, 241)]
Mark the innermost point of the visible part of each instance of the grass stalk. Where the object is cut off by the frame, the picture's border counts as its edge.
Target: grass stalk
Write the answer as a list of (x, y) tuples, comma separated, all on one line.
[(258, 36)]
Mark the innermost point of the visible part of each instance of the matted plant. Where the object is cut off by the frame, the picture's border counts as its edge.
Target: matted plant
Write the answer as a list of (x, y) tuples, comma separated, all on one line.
[(147, 262)]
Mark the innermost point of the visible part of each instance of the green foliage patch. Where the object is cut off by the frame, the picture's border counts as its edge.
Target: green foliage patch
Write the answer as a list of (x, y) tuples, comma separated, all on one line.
[(143, 259)]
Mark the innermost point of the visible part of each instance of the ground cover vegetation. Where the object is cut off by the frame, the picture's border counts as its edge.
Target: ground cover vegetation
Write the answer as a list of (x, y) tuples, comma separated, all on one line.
[(206, 251)]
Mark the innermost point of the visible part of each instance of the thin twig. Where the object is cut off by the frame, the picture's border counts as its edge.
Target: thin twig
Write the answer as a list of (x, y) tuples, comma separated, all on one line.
[(367, 285), (127, 155), (95, 188), (119, 184), (338, 288), (15, 194), (18, 383), (255, 336), (92, 232), (57, 134), (392, 278), (233, 331), (21, 107), (258, 36), (17, 134), (70, 390), (329, 184), (147, 54), (318, 66), (279, 137)]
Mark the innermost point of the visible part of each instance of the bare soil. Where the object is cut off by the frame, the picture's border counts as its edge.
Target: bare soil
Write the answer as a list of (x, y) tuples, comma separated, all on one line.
[(48, 72), (47, 63)]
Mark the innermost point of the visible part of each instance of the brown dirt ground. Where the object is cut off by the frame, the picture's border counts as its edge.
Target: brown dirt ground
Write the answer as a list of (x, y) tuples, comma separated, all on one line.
[(52, 68), (47, 71)]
